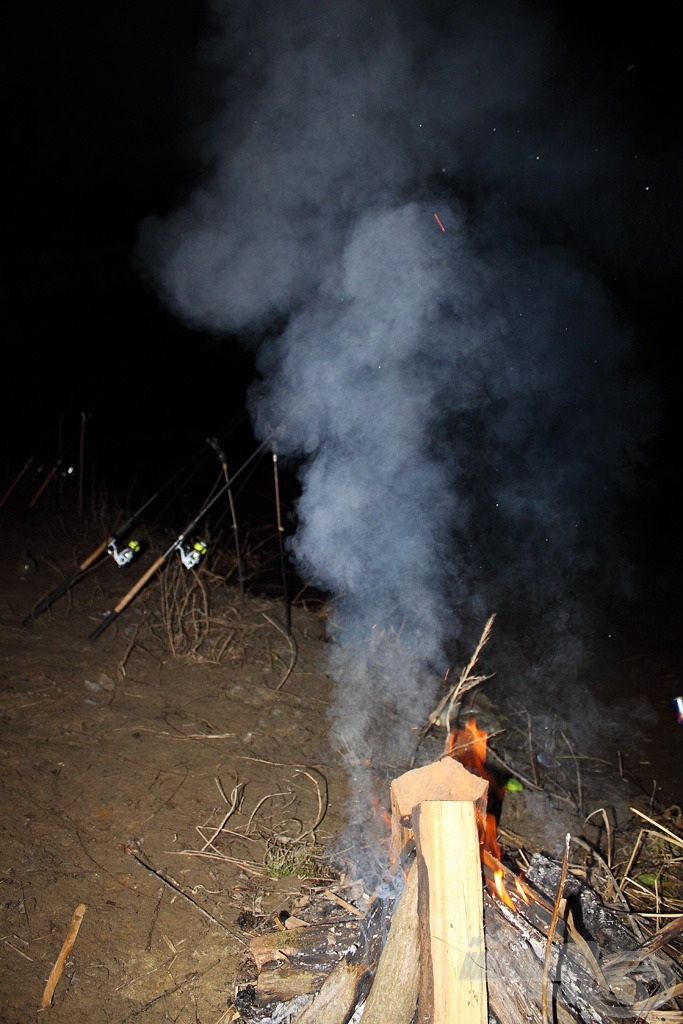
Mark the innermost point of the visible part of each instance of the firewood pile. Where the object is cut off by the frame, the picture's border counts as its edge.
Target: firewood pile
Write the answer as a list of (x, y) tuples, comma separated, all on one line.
[(465, 938)]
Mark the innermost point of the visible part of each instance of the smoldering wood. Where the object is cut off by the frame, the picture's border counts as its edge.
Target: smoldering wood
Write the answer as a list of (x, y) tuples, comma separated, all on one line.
[(515, 953), (604, 925), (347, 985), (586, 984), (296, 962)]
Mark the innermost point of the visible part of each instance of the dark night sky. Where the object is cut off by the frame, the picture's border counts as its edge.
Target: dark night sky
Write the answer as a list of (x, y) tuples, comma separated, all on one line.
[(105, 109), (102, 111), (100, 118)]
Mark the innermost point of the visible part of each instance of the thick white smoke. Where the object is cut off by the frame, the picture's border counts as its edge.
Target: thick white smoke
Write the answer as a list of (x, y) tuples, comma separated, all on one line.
[(387, 203)]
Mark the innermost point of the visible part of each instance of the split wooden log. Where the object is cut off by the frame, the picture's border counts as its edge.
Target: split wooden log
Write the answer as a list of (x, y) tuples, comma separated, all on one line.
[(394, 992), (442, 806), (446, 779), (337, 997), (450, 909)]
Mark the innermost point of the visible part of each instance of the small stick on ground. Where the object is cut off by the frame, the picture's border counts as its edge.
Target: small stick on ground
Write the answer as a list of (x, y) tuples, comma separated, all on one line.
[(236, 798), (131, 850), (153, 922), (676, 840), (56, 972), (129, 650)]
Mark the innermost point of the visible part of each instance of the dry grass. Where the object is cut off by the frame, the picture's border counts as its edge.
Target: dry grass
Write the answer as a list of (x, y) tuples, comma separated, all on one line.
[(273, 839), (197, 618)]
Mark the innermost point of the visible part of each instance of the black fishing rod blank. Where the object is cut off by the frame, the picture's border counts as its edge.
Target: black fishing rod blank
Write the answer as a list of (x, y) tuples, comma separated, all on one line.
[(213, 441), (108, 546), (189, 558)]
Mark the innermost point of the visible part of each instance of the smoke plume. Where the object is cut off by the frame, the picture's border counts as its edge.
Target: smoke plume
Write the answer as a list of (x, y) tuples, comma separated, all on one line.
[(398, 210)]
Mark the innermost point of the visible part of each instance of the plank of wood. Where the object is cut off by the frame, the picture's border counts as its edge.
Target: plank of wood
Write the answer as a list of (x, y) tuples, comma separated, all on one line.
[(450, 900)]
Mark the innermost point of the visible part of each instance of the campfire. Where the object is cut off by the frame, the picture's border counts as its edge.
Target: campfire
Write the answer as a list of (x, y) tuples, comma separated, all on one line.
[(467, 939), (456, 935)]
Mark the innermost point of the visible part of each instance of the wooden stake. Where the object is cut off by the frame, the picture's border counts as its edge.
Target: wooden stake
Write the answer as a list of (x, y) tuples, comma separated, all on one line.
[(452, 949)]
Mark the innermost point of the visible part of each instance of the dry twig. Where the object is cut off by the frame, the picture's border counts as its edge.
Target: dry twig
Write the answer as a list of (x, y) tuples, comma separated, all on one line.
[(56, 972), (551, 932)]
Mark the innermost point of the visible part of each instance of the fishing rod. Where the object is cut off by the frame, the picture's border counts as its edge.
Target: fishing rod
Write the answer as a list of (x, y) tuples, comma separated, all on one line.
[(213, 442), (61, 468), (109, 546), (49, 476), (189, 558)]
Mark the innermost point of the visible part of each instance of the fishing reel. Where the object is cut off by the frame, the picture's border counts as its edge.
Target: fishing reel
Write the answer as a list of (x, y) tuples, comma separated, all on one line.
[(126, 555), (195, 553)]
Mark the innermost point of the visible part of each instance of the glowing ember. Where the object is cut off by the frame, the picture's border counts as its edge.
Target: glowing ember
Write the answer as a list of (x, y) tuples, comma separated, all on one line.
[(522, 891)]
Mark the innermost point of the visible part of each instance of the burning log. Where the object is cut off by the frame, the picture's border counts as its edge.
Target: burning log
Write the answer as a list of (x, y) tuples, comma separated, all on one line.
[(586, 985), (297, 962)]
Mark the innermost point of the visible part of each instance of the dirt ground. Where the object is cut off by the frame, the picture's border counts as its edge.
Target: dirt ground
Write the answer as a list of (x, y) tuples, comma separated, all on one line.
[(118, 760), (180, 787)]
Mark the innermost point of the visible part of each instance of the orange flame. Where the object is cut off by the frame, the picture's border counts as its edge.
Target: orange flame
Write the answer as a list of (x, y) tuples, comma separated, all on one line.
[(469, 745), (380, 810), (500, 888)]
